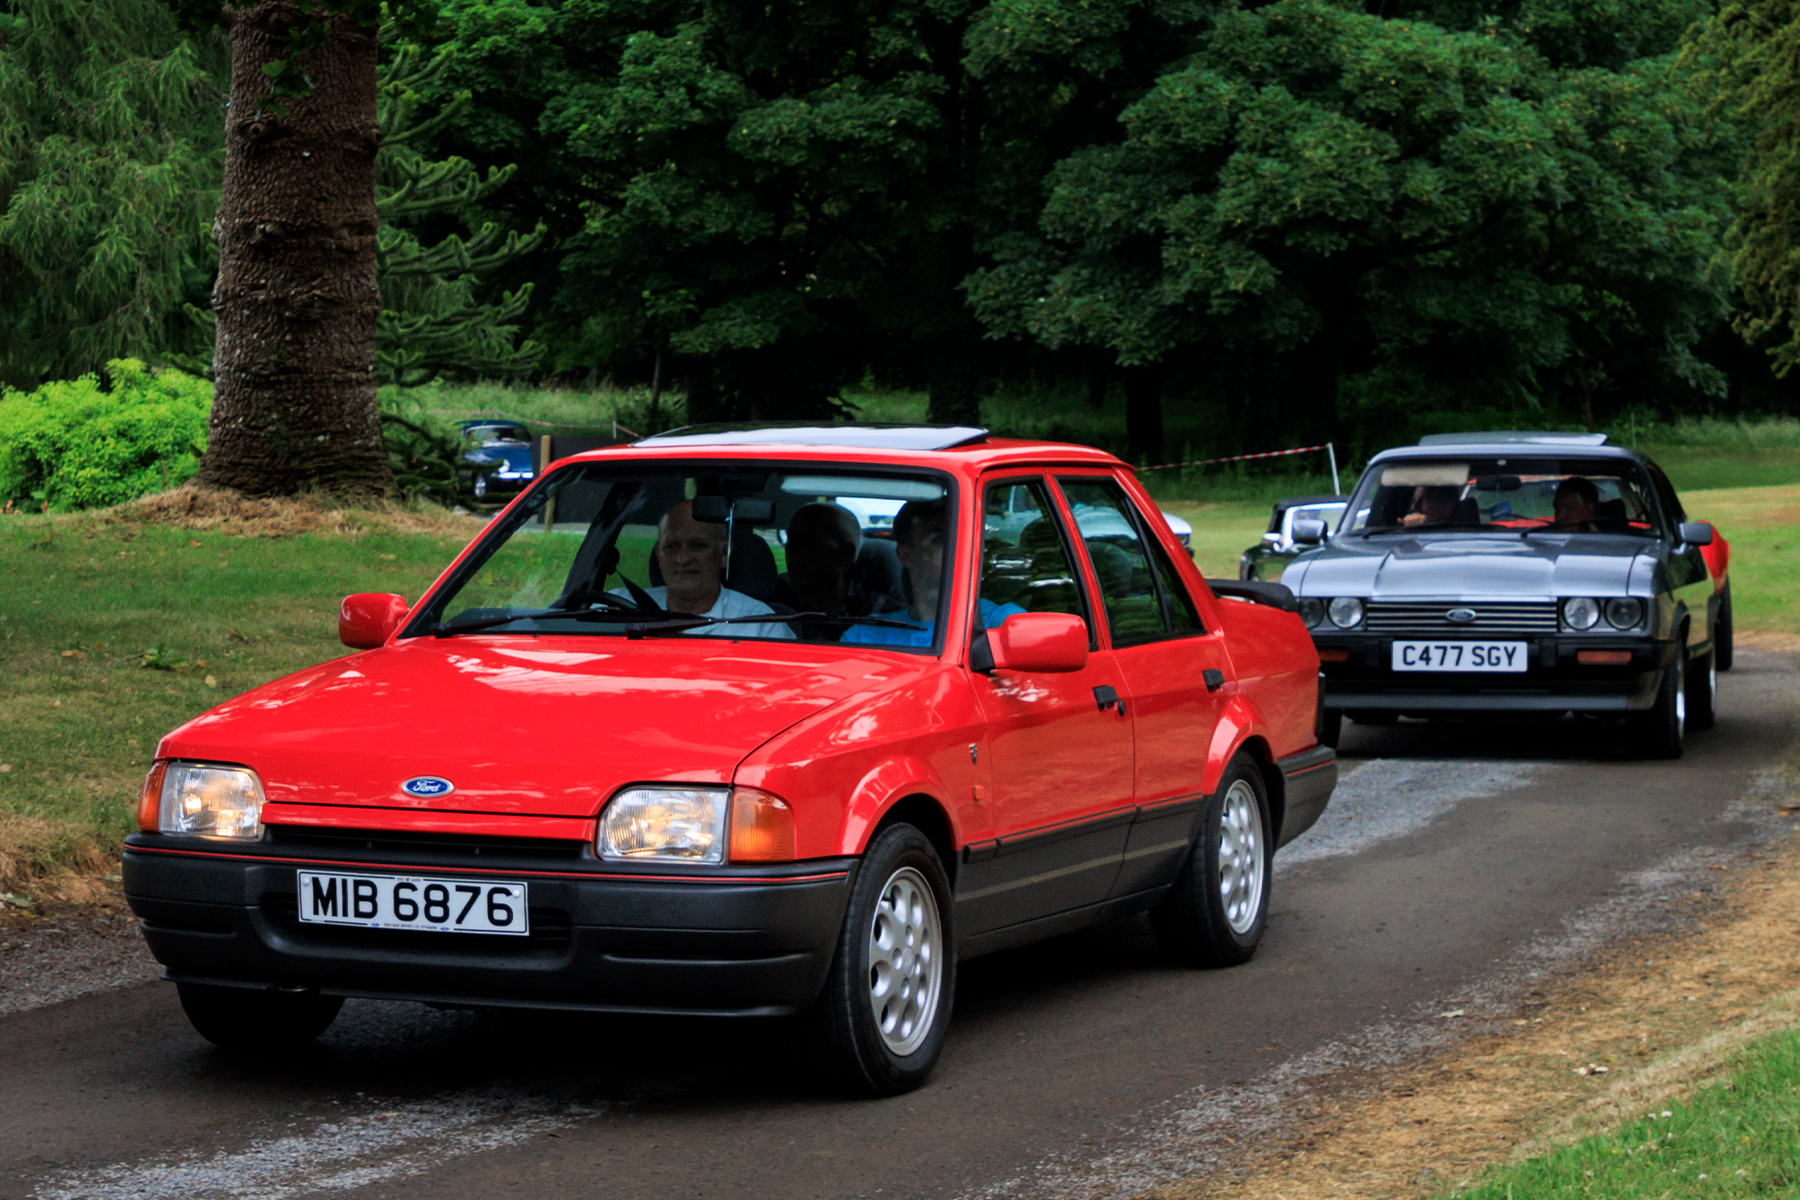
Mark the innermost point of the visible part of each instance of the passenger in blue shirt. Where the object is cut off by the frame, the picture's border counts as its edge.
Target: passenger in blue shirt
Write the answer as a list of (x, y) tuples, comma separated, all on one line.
[(919, 545)]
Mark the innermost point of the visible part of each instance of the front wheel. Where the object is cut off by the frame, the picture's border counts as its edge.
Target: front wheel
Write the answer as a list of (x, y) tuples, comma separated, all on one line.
[(1661, 732), (252, 1019), (1219, 907), (886, 1007)]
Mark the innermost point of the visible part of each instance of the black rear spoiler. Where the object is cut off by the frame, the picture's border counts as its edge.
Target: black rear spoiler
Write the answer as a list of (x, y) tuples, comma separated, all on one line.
[(1274, 595)]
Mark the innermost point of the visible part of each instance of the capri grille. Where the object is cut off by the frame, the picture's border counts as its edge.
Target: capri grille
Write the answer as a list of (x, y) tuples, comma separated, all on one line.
[(1431, 618)]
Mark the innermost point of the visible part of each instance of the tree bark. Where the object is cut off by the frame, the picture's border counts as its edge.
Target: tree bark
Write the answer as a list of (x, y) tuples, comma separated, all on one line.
[(1144, 414), (296, 300)]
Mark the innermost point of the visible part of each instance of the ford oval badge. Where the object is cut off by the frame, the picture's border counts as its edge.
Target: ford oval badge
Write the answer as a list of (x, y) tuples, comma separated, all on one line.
[(425, 786), (1460, 616)]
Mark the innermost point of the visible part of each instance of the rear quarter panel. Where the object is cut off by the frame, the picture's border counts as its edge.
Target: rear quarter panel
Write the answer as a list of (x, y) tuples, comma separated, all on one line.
[(1277, 671)]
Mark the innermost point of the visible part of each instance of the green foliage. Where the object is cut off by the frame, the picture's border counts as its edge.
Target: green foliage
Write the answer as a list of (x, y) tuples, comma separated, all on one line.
[(111, 149), (422, 447), (80, 444)]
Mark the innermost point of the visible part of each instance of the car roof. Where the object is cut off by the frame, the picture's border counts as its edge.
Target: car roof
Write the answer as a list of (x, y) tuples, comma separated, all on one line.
[(1298, 501), (1592, 446), (491, 423), (1511, 436), (970, 449)]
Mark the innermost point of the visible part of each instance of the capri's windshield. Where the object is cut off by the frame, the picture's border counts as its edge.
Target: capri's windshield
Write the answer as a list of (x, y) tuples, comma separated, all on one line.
[(1522, 494), (770, 550)]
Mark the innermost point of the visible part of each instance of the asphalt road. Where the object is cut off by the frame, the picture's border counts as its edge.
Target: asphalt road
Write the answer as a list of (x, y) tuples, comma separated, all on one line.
[(1456, 863)]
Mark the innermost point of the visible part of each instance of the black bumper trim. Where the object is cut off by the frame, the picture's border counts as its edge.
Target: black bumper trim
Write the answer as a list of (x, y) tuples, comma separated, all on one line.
[(1308, 779)]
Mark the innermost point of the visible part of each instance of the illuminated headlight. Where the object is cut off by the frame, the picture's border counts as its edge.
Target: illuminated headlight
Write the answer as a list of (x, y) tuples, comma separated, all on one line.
[(205, 801), (1624, 612), (1346, 612), (665, 824), (1580, 613)]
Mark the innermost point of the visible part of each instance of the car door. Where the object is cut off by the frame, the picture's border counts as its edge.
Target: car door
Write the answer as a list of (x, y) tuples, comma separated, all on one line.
[(1690, 583), (1060, 745), (1177, 673)]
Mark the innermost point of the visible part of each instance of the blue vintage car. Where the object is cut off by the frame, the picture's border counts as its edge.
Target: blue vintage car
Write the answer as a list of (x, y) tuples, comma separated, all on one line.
[(496, 461), (1542, 573)]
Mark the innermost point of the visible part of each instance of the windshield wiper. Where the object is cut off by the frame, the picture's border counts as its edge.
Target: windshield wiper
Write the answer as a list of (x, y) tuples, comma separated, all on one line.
[(682, 624), (1427, 527), (615, 610), (1564, 526)]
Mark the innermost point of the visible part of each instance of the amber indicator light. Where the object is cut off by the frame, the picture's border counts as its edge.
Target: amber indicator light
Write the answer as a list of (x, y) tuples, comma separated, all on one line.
[(1336, 655), (150, 802), (762, 827), (1603, 658)]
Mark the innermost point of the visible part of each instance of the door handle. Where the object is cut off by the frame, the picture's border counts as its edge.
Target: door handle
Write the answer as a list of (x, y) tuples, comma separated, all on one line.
[(1215, 678), (1107, 697)]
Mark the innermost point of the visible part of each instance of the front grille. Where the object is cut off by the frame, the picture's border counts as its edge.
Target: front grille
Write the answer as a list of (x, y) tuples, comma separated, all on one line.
[(344, 841), (1430, 618)]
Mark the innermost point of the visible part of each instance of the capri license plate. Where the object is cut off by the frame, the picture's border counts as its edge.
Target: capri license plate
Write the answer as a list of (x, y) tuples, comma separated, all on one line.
[(1461, 656), (426, 904)]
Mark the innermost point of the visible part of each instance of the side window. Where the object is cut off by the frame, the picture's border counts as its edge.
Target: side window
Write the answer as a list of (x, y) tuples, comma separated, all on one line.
[(1665, 491), (1128, 582), (1025, 563), (1178, 607)]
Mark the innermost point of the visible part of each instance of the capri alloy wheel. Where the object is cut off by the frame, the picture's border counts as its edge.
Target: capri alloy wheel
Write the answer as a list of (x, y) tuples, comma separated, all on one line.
[(1242, 858), (906, 961)]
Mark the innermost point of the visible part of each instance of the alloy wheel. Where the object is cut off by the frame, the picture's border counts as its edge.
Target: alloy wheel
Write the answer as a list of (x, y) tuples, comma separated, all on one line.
[(906, 961), (1242, 861)]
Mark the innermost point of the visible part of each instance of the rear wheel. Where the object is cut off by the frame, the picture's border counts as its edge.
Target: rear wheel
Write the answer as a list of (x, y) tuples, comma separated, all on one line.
[(1722, 647), (1216, 914), (1661, 732), (1702, 691), (254, 1019), (886, 1007)]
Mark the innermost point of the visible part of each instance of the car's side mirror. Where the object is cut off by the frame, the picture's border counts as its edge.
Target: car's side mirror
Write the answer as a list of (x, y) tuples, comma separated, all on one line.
[(1696, 533), (1308, 532), (1040, 642), (1272, 539), (368, 619)]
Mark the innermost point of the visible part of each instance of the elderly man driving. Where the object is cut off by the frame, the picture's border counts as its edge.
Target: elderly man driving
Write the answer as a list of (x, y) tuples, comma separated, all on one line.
[(692, 557)]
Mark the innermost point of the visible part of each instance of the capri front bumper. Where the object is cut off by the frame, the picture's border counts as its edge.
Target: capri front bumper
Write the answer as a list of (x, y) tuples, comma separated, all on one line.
[(1359, 676), (603, 937)]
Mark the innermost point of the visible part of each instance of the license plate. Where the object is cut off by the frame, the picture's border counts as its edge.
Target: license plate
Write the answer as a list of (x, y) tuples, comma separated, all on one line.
[(1461, 656), (432, 905)]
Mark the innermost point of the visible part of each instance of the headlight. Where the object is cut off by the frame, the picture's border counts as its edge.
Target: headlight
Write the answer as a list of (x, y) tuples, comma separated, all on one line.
[(665, 824), (1346, 612), (1624, 612), (1312, 611), (207, 801), (1580, 613)]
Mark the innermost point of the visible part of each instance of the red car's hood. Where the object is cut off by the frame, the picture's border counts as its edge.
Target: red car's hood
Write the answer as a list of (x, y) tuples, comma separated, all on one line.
[(545, 726)]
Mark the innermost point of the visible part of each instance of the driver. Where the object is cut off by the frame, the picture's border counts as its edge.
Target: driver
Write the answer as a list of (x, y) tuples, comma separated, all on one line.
[(1432, 505), (919, 544), (1577, 503), (692, 557)]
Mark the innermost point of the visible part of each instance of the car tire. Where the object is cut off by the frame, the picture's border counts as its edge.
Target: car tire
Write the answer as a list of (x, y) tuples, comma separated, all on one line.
[(1661, 732), (1722, 644), (881, 1021), (1702, 691), (1365, 717), (255, 1019), (1219, 907), (1331, 726)]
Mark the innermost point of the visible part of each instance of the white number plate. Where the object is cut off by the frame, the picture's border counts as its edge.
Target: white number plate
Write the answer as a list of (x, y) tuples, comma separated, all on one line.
[(1461, 656), (435, 905)]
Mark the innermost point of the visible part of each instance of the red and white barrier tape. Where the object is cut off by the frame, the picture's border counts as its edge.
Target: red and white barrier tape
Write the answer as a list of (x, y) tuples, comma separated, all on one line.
[(1206, 462)]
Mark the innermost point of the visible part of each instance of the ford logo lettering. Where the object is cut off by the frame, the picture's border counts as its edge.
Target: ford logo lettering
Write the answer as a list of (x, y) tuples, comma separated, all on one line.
[(1460, 616), (427, 786)]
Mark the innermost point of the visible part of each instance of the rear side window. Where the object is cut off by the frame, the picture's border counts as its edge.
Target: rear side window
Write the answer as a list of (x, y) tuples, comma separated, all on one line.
[(1134, 585), (1025, 564)]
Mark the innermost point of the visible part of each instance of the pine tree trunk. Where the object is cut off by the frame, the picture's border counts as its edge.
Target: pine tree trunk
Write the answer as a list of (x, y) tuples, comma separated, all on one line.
[(294, 363)]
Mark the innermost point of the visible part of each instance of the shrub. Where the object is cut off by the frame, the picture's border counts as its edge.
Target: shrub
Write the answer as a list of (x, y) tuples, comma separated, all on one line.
[(77, 444)]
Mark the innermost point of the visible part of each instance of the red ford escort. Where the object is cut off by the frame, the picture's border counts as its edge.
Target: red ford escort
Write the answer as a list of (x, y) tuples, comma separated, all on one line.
[(678, 733)]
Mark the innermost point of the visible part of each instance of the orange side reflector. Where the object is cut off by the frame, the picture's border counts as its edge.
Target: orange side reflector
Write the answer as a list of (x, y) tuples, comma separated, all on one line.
[(762, 827), (150, 802), (1603, 658), (1334, 655)]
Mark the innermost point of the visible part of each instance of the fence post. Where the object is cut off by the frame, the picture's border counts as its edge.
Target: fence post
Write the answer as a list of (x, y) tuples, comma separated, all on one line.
[(1331, 450)]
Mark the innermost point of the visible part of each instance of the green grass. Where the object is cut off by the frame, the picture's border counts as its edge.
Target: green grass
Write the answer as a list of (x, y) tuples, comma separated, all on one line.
[(1732, 1139), (83, 600), (1763, 527)]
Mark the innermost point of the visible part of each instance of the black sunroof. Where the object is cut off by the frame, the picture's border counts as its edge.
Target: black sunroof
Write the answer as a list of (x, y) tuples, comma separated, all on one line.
[(868, 437)]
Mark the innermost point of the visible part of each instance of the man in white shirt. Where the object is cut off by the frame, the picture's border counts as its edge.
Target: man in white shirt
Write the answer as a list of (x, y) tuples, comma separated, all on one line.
[(692, 557)]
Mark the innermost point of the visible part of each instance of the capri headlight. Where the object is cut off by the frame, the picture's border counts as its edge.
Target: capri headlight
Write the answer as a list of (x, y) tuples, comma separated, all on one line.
[(665, 824), (1579, 612), (1346, 612), (1312, 611), (207, 801), (1624, 612)]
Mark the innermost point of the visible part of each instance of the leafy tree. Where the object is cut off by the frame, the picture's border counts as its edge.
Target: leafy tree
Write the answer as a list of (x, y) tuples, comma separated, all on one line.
[(109, 175), (1318, 192)]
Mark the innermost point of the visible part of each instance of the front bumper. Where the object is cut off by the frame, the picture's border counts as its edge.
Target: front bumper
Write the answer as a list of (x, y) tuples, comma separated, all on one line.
[(1554, 682), (744, 941)]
